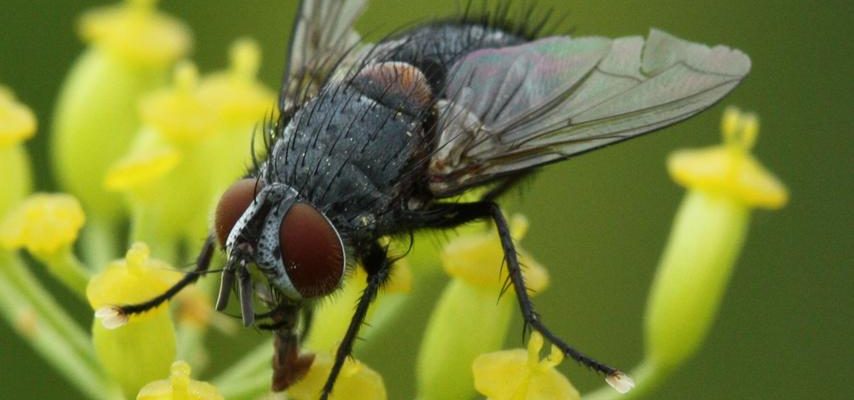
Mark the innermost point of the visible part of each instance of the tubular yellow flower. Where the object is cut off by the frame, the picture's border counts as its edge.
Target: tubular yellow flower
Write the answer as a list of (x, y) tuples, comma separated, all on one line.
[(44, 224), (356, 381), (724, 183), (179, 112), (179, 386), (241, 102), (195, 142), (132, 47), (142, 351), (469, 318), (17, 124), (521, 375)]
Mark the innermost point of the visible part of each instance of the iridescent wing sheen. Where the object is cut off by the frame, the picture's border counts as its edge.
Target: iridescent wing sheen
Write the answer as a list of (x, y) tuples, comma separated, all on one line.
[(513, 108), (322, 38)]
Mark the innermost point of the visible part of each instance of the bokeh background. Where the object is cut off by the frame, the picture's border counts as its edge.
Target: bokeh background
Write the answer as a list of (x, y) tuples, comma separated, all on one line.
[(599, 221)]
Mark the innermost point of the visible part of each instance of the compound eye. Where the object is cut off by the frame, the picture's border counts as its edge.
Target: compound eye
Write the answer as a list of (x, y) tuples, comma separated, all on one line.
[(231, 206), (311, 251)]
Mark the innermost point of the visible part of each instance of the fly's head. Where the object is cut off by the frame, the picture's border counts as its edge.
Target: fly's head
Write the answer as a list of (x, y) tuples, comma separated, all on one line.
[(292, 242)]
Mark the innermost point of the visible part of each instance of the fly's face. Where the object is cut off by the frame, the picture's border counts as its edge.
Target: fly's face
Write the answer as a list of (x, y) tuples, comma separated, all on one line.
[(290, 241)]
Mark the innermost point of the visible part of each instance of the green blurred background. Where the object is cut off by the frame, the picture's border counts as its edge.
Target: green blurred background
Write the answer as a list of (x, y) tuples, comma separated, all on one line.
[(598, 222)]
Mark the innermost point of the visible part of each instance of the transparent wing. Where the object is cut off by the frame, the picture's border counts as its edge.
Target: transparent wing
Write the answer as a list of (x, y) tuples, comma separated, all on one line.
[(513, 108), (323, 36)]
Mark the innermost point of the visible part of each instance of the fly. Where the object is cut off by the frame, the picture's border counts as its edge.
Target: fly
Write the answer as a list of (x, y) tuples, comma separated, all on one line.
[(373, 140)]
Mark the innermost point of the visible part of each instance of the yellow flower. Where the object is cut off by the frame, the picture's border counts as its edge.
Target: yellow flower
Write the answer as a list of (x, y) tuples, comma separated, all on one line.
[(44, 223), (179, 386), (521, 375), (452, 342), (194, 142), (725, 183), (355, 382), (143, 350), (17, 124), (730, 170), (136, 32), (132, 47)]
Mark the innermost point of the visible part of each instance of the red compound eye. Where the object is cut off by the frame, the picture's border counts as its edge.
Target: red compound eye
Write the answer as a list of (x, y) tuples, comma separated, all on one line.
[(311, 251), (231, 206)]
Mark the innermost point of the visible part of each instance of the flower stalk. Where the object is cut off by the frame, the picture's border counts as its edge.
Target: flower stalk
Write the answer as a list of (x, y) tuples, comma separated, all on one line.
[(725, 183)]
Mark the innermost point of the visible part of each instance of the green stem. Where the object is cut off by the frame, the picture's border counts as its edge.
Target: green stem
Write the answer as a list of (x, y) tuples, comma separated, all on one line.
[(191, 347), (255, 361), (144, 227), (20, 277), (248, 388), (647, 378), (68, 270), (49, 342), (99, 243)]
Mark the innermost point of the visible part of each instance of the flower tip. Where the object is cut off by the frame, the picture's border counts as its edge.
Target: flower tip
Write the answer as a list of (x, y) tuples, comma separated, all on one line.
[(111, 317), (621, 382)]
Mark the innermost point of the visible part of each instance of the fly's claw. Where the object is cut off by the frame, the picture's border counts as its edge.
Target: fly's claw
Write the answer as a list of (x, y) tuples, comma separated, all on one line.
[(112, 317)]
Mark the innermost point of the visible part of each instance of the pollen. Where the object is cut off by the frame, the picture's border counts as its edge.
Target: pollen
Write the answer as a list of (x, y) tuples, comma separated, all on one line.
[(140, 169), (43, 223), (730, 169), (521, 374), (136, 31), (17, 122)]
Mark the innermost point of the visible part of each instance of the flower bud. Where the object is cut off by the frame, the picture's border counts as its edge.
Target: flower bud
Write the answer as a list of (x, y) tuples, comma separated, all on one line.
[(471, 317), (17, 124), (131, 48), (140, 349), (725, 183)]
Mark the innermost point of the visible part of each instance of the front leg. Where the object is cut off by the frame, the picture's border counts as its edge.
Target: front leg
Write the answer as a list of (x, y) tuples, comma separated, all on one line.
[(378, 266)]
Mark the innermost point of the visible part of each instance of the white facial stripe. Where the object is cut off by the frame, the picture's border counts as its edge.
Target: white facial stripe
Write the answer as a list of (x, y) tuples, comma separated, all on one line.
[(267, 254)]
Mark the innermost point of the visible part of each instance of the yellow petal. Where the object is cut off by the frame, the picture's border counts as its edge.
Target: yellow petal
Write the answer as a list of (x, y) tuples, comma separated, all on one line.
[(141, 169), (237, 95), (179, 386), (136, 31), (179, 112), (356, 381), (730, 169), (521, 375), (134, 279), (17, 121), (43, 223), (476, 258)]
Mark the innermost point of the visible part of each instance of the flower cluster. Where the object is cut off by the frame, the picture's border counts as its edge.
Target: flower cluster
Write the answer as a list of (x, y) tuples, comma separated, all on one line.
[(142, 139)]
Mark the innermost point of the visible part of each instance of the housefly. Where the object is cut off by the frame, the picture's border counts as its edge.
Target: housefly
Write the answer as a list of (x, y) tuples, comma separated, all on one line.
[(378, 140)]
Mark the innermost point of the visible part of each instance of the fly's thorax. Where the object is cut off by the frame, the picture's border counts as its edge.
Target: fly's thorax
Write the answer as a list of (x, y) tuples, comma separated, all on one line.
[(351, 154), (290, 241)]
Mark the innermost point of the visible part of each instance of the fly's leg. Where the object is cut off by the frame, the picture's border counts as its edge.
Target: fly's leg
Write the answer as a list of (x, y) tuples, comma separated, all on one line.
[(451, 215), (202, 264), (378, 267)]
